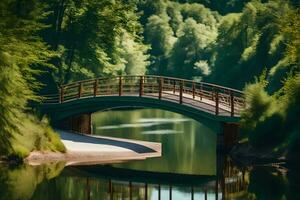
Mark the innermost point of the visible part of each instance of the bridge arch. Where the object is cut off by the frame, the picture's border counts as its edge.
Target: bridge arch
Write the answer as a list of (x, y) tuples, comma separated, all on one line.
[(59, 112), (208, 100), (197, 100)]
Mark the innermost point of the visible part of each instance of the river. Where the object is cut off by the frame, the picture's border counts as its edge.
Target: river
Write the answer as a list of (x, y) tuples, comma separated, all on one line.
[(189, 167)]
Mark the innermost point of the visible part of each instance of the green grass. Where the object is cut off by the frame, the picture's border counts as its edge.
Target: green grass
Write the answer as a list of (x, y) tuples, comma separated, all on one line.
[(36, 135)]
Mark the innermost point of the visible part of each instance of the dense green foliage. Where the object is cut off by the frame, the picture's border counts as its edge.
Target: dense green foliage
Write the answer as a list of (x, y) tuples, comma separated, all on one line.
[(94, 38), (181, 37), (21, 51), (191, 41), (46, 43), (274, 117)]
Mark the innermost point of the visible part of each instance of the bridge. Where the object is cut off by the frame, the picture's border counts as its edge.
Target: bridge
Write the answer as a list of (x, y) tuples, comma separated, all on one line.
[(75, 101)]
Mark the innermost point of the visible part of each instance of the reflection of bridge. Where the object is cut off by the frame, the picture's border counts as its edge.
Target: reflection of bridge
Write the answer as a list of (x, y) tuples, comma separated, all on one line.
[(135, 184), (228, 183), (75, 102)]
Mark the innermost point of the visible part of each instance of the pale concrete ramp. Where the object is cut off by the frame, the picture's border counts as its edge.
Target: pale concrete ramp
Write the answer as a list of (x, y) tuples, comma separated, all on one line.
[(86, 143), (89, 149)]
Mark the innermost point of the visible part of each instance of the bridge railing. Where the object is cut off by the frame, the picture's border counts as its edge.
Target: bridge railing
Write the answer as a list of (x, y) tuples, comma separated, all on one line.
[(212, 98)]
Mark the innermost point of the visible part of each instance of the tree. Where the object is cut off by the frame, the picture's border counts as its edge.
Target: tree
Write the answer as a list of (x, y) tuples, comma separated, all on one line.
[(180, 36), (92, 38), (188, 55), (22, 57), (249, 42)]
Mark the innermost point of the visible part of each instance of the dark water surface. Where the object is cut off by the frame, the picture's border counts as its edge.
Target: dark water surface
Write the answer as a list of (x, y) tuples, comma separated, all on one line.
[(188, 169)]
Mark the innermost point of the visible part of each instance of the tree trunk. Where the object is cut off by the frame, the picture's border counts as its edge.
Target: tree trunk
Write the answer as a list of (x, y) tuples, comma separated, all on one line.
[(70, 61), (59, 15)]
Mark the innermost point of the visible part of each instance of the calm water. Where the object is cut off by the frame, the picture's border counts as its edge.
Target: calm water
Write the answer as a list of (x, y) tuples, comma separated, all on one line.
[(54, 182), (189, 154), (188, 146)]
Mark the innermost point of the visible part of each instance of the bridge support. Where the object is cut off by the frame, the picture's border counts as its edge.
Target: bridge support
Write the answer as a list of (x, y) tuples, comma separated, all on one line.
[(229, 136), (80, 124)]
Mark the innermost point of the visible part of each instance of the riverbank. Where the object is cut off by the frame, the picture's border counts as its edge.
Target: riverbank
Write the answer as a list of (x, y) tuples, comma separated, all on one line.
[(91, 149), (247, 155)]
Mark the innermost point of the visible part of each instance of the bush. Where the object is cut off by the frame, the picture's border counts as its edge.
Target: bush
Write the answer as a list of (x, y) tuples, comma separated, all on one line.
[(259, 105), (268, 133), (272, 121), (35, 135)]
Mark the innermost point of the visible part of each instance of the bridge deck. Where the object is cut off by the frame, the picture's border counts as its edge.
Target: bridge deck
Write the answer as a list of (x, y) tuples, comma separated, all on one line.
[(213, 99), (203, 104)]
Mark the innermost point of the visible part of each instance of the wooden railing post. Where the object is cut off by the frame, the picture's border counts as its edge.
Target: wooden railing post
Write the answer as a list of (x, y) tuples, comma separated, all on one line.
[(193, 88), (201, 91), (192, 192), (231, 104), (96, 88), (61, 96), (152, 87), (170, 192), (130, 190), (217, 101), (110, 188), (107, 87), (180, 92), (174, 87), (159, 192), (120, 86), (141, 86), (160, 87), (79, 90), (217, 190), (146, 191)]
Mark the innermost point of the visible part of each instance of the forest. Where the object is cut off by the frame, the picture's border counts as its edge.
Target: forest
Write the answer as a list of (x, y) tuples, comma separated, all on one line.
[(250, 45)]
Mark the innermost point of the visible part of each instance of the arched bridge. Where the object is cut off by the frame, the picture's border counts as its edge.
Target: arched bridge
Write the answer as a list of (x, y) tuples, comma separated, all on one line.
[(179, 95), (73, 105), (194, 99)]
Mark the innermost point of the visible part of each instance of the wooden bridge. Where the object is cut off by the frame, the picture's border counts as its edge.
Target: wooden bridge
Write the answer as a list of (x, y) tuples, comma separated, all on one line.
[(210, 98), (72, 107)]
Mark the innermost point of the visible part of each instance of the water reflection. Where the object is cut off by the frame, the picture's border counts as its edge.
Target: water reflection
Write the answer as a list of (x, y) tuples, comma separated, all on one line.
[(106, 182), (189, 168), (188, 146), (35, 183), (20, 182), (258, 182), (162, 132), (269, 183)]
